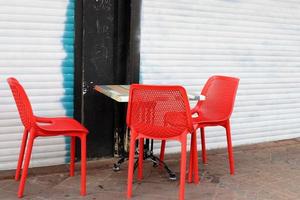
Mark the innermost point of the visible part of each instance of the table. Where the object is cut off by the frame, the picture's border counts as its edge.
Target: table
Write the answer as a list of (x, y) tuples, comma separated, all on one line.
[(120, 93)]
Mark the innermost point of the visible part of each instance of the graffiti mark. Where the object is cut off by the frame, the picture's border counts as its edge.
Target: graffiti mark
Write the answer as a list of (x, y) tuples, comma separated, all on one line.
[(101, 53), (101, 29), (103, 5)]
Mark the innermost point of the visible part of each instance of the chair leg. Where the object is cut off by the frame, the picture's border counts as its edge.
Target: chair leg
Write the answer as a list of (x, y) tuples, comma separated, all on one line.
[(83, 165), (162, 152), (193, 167), (141, 159), (130, 166), (72, 156), (229, 148), (21, 155), (191, 162), (182, 168), (26, 164), (195, 159), (204, 158)]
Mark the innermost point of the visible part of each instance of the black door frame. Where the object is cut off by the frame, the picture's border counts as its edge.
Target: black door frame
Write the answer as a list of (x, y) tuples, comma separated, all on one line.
[(78, 60), (133, 60)]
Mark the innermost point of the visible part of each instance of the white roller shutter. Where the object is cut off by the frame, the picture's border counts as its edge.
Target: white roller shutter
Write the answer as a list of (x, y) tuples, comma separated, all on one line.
[(185, 42), (36, 47)]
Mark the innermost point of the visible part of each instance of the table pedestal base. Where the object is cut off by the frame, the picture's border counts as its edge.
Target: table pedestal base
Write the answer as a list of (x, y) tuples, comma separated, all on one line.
[(148, 154)]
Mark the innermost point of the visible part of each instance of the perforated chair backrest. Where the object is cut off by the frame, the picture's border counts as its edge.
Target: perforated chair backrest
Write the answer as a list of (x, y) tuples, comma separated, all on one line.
[(220, 93), (158, 111), (22, 102)]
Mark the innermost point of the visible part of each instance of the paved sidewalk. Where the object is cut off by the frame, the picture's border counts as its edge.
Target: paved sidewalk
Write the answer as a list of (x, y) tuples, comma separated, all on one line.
[(263, 171)]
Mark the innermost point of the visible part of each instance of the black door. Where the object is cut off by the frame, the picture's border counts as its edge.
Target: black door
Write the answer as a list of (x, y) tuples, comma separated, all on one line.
[(101, 56), (98, 68), (106, 52)]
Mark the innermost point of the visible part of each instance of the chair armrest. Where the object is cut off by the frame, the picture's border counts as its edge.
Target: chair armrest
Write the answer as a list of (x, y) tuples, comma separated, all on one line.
[(195, 109), (43, 119)]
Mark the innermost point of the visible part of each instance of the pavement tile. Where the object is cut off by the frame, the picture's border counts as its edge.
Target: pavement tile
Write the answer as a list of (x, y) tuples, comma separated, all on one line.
[(4, 194)]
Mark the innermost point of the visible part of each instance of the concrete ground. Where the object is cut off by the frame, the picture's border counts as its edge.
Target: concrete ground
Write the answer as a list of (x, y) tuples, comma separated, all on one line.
[(263, 171)]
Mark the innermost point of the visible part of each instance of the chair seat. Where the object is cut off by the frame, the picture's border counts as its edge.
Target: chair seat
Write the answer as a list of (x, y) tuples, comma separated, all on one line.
[(59, 125), (206, 120), (159, 132)]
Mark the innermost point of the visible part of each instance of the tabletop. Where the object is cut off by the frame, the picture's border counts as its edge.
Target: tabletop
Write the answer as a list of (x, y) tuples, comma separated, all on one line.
[(120, 93)]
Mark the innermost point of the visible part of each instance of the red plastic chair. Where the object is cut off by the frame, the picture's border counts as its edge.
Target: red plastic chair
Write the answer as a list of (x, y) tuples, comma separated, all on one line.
[(40, 126), (216, 109), (147, 117)]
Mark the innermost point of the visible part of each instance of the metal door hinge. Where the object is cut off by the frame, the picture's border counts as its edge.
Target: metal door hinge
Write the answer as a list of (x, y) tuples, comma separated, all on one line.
[(87, 87)]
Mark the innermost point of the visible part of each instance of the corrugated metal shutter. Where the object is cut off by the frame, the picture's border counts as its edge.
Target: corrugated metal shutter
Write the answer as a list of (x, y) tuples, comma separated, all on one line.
[(36, 47), (185, 42)]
